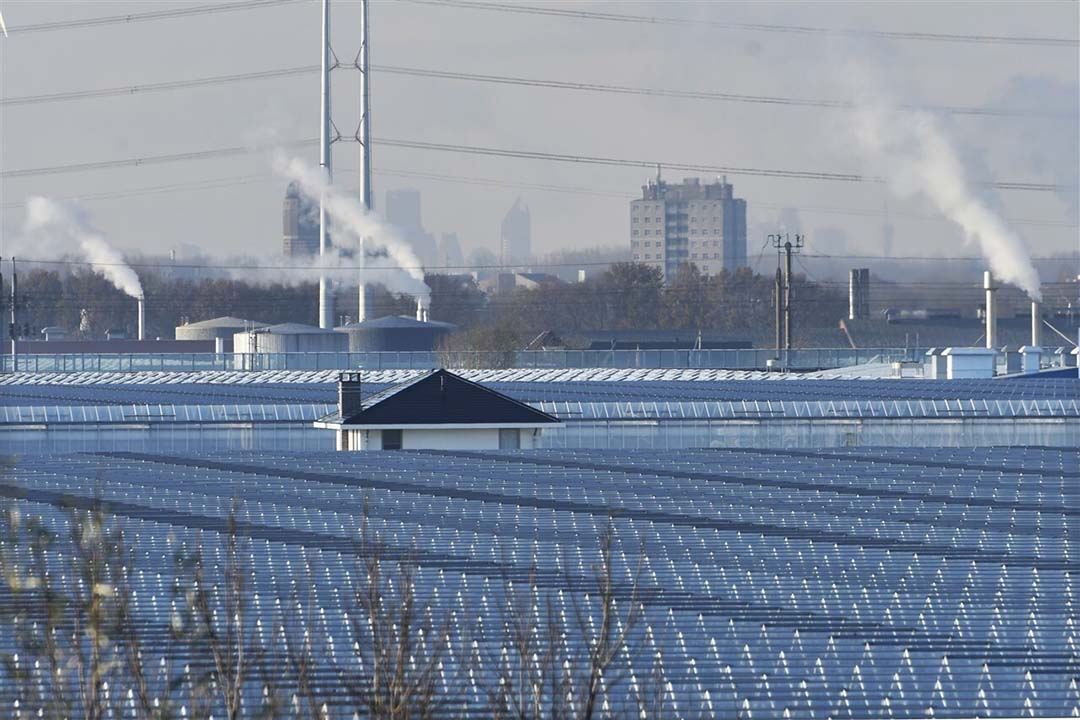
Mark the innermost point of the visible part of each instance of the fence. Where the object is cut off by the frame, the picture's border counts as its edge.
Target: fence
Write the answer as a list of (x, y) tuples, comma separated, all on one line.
[(749, 359)]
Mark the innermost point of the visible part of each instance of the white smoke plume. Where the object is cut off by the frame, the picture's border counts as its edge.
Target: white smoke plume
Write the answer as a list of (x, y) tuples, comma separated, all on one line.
[(58, 228), (361, 238), (911, 150)]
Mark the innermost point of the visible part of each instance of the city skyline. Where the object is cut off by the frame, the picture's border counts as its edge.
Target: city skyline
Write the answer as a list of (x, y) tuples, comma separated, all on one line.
[(149, 208)]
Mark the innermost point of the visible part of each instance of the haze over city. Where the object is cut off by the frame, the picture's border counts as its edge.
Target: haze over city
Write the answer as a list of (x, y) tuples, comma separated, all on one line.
[(539, 359), (1013, 100)]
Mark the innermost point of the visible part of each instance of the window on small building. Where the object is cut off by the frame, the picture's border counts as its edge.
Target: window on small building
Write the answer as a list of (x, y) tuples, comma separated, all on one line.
[(391, 439), (509, 439)]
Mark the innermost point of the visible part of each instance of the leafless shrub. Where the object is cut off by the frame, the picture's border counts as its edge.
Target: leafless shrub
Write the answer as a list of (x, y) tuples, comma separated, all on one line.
[(76, 647), (551, 664), (399, 643)]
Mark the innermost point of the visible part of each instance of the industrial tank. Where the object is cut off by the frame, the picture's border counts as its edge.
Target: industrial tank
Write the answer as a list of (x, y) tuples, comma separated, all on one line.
[(290, 338), (395, 333), (222, 328)]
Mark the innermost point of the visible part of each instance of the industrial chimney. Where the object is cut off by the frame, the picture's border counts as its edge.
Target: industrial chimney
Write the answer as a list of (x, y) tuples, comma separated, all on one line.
[(1036, 324), (991, 310), (421, 310), (142, 317), (859, 294)]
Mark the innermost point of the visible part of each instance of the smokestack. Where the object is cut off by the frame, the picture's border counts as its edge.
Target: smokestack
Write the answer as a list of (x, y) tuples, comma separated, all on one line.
[(419, 310), (859, 294), (361, 305), (1036, 324), (142, 317), (991, 310), (853, 294), (326, 297)]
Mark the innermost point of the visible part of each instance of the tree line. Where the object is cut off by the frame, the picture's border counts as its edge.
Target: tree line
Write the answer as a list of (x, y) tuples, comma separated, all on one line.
[(626, 296)]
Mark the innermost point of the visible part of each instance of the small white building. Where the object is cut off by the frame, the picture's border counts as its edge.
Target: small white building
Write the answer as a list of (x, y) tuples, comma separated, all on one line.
[(436, 411), (969, 362)]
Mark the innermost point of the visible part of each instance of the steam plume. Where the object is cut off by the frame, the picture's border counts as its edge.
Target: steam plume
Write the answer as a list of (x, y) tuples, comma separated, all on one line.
[(64, 228), (913, 153), (375, 244)]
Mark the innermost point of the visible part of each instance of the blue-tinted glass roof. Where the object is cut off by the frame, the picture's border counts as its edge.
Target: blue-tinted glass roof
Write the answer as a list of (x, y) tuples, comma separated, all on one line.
[(822, 583)]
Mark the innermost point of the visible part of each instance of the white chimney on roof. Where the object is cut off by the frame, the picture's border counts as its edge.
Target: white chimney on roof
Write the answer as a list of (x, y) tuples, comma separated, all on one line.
[(991, 310)]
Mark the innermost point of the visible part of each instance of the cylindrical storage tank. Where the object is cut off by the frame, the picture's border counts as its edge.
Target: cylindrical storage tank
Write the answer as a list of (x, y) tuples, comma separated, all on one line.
[(396, 333), (222, 328), (290, 338)]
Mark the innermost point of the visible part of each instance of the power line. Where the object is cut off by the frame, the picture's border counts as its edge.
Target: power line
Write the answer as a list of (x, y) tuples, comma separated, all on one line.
[(145, 88), (129, 90), (144, 160), (130, 18), (692, 167), (498, 152), (695, 94), (516, 8)]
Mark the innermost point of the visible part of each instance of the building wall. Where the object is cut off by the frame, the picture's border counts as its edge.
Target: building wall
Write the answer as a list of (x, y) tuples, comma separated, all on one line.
[(432, 439), (266, 342), (691, 222)]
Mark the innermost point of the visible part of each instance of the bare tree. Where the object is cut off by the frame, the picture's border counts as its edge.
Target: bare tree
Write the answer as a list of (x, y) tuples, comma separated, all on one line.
[(77, 648), (399, 645), (219, 628), (553, 665)]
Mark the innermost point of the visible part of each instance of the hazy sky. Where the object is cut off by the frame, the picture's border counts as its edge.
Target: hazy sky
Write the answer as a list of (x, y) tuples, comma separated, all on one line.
[(232, 204)]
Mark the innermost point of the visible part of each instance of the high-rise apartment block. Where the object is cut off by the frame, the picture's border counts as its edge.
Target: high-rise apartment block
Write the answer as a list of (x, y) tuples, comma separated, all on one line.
[(692, 222), (300, 235)]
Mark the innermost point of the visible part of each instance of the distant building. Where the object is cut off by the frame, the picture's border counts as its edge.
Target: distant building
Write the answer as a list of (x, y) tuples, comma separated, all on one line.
[(691, 222), (435, 411), (450, 255), (301, 224), (515, 238), (509, 281), (403, 212)]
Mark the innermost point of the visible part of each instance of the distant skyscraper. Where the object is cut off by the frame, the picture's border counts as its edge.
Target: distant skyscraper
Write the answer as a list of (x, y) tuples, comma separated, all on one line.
[(515, 239), (450, 255), (403, 212), (704, 224), (301, 224)]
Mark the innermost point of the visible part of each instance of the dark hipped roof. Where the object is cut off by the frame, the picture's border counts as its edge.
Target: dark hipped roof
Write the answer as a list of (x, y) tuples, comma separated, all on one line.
[(440, 397)]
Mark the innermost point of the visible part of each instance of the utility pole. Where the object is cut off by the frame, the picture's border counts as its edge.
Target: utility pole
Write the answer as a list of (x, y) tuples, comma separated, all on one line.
[(363, 137), (784, 243), (326, 297), (779, 309), (13, 329)]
